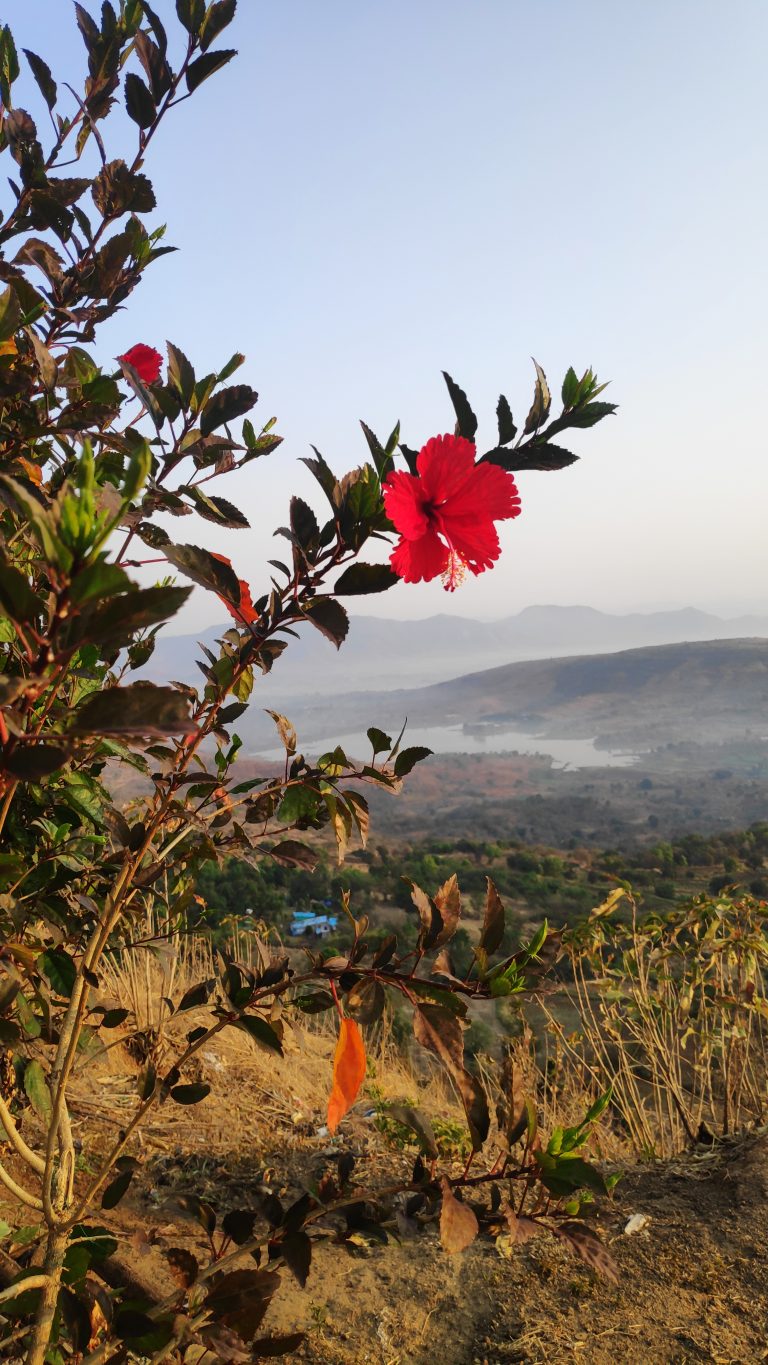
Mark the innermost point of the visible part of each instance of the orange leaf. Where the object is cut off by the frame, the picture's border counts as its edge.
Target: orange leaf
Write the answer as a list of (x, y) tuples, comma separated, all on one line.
[(244, 611), (348, 1072)]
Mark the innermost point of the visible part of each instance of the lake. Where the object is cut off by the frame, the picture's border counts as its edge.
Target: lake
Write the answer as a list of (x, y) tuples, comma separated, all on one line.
[(481, 739)]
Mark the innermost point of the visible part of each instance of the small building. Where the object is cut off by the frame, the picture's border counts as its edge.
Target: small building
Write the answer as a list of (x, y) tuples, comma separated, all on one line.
[(308, 923)]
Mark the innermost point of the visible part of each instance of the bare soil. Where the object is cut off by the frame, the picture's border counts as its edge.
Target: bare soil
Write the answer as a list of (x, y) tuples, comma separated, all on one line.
[(693, 1280)]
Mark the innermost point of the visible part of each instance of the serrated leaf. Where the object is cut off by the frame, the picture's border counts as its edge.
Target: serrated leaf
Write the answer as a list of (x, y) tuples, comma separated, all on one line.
[(42, 74), (587, 1245), (229, 403), (139, 709), (139, 103), (181, 375), (329, 617), (507, 428), (541, 455), (570, 390), (361, 578), (542, 401), (30, 762), (218, 17), (206, 569), (493, 920), (408, 758), (466, 422), (206, 65), (294, 854)]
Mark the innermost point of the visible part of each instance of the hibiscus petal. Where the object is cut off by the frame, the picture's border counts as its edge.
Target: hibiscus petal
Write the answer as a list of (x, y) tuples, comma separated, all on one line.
[(443, 464), (420, 560), (476, 543), (404, 504), (490, 494)]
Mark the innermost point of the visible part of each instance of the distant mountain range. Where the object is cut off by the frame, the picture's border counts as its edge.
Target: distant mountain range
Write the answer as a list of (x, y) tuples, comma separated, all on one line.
[(381, 654)]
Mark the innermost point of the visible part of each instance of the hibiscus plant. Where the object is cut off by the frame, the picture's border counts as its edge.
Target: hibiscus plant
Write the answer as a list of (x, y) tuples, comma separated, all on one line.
[(98, 460)]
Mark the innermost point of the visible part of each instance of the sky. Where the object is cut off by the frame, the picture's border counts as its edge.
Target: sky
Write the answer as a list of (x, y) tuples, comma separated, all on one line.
[(374, 192)]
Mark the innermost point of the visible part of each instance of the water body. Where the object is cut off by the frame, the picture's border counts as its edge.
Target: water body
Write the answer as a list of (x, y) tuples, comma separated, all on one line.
[(482, 739)]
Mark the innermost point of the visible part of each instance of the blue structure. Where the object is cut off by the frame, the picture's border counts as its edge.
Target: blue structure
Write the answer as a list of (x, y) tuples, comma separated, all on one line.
[(306, 922)]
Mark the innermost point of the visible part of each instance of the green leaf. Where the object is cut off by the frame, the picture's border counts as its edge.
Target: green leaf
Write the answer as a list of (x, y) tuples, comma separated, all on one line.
[(203, 568), (229, 403), (139, 709), (17, 599), (206, 65), (9, 65), (195, 996), (139, 103), (507, 428), (116, 1189), (419, 1123), (191, 14), (98, 580), (294, 854), (60, 970), (493, 921), (570, 389), (329, 617), (180, 374), (260, 1031), (42, 74), (36, 1090), (190, 1094), (564, 1173), (364, 578), (218, 510), (380, 742), (30, 762), (542, 401), (541, 455), (304, 524), (10, 313), (116, 620), (298, 803), (408, 758), (588, 416), (466, 422), (218, 17)]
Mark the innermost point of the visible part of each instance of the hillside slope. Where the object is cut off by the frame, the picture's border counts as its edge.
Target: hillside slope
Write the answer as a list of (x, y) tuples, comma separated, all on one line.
[(640, 698)]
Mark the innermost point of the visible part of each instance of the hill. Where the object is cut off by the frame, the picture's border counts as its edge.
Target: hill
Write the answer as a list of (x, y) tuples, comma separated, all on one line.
[(381, 653), (636, 699)]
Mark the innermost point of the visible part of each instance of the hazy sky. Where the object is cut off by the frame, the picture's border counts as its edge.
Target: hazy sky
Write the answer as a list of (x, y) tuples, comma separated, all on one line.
[(373, 192)]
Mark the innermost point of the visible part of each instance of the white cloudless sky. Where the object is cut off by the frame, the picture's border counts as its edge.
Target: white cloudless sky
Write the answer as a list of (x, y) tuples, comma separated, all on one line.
[(372, 192)]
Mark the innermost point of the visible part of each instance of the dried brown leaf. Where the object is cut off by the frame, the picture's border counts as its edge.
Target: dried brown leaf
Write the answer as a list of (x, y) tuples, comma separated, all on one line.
[(458, 1224)]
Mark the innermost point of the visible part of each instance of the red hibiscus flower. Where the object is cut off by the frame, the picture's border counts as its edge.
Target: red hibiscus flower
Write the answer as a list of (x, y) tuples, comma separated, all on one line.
[(145, 361), (244, 610), (446, 513)]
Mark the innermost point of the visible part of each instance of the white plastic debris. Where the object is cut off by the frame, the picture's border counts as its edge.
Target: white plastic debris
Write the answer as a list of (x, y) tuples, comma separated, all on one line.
[(636, 1223)]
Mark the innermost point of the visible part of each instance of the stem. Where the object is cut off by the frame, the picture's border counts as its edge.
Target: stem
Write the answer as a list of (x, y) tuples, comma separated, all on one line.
[(46, 1309), (21, 1287)]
